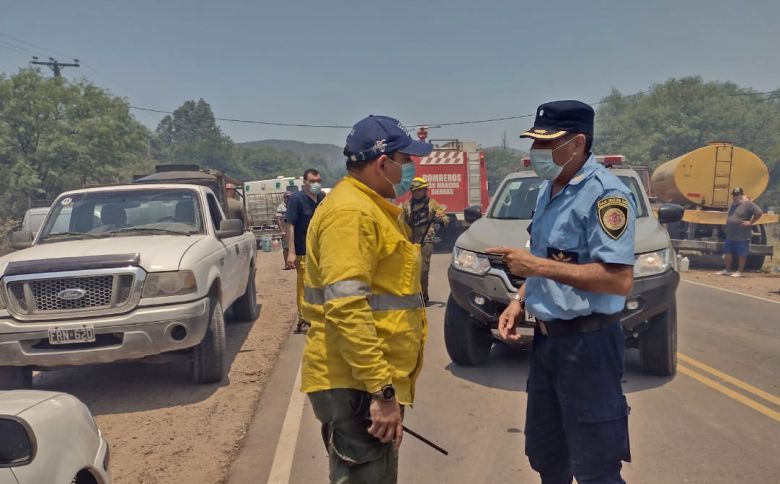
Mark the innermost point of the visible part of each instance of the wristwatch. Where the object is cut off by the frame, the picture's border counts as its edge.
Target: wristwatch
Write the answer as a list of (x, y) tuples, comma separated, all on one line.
[(519, 299), (386, 394)]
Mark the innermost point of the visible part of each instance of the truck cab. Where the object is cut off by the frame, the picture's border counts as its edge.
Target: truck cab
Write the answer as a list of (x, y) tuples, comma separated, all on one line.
[(481, 286)]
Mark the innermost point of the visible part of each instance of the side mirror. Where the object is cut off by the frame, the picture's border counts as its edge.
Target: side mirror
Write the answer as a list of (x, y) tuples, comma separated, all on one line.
[(17, 447), (472, 214), (231, 227), (21, 239), (670, 213)]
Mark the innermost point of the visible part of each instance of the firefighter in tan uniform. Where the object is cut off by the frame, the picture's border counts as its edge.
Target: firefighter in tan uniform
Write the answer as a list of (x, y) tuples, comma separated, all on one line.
[(423, 214)]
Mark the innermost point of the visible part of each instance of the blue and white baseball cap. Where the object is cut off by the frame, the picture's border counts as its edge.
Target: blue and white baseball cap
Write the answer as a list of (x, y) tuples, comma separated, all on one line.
[(374, 136)]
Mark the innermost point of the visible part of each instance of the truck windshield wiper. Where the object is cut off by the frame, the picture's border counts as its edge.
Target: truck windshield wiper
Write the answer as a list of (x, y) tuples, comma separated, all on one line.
[(66, 235), (149, 229)]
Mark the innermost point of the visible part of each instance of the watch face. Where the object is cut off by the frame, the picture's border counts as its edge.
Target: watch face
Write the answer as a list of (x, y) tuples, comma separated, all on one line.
[(388, 393)]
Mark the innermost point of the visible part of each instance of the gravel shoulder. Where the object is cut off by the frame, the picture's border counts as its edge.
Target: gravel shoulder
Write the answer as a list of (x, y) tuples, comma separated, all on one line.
[(162, 428)]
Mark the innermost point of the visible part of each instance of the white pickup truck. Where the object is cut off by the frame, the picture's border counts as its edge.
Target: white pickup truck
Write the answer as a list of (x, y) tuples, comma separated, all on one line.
[(124, 272)]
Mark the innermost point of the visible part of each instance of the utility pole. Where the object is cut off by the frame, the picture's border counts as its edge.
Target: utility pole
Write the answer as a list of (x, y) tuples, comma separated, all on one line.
[(54, 65)]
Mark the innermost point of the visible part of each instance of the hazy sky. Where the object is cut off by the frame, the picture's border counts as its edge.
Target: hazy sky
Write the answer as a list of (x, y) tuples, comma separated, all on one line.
[(428, 61)]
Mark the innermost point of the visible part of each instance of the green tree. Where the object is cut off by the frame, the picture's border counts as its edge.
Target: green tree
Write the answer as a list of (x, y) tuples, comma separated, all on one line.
[(57, 135), (191, 135)]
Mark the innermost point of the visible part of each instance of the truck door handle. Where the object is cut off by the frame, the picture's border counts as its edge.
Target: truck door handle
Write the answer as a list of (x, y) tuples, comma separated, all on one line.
[(237, 249)]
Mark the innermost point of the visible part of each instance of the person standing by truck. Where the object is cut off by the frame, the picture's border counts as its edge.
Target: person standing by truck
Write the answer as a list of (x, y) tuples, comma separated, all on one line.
[(422, 213), (300, 210), (743, 213), (579, 270)]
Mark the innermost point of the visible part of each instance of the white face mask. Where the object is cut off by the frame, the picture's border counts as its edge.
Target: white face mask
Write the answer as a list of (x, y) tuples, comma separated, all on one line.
[(315, 188), (544, 165)]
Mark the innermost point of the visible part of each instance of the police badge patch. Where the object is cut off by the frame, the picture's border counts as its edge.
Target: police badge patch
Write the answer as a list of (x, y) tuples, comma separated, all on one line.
[(613, 215)]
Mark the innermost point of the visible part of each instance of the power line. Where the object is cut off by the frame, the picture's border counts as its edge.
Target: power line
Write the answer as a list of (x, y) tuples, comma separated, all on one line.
[(14, 49), (248, 121), (430, 125)]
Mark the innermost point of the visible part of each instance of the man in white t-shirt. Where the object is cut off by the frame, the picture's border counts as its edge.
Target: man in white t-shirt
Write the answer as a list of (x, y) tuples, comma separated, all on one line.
[(281, 222)]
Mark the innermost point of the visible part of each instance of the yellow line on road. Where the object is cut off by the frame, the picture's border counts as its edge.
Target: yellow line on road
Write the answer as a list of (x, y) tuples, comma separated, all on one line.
[(730, 393), (734, 381)]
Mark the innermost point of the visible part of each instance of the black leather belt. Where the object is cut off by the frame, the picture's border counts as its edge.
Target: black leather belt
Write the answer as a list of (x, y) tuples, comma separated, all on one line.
[(581, 324)]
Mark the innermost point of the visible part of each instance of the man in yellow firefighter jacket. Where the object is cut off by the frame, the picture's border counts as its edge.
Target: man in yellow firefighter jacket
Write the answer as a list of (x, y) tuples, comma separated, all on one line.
[(362, 297)]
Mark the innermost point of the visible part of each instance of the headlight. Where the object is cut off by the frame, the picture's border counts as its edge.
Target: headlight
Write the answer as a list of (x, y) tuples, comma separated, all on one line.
[(654, 263), (159, 284), (468, 261)]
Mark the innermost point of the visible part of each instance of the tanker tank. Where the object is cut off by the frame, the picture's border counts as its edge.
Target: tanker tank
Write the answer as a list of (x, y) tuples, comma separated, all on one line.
[(705, 176)]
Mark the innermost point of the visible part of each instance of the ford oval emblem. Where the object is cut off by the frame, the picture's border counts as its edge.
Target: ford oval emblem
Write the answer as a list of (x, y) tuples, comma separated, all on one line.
[(72, 294)]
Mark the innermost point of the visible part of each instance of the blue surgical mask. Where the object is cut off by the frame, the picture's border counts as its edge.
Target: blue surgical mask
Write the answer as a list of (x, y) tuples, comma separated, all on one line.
[(544, 165), (316, 188), (407, 176)]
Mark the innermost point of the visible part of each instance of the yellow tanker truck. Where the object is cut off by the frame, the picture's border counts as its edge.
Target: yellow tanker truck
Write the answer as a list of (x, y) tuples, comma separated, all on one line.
[(702, 181)]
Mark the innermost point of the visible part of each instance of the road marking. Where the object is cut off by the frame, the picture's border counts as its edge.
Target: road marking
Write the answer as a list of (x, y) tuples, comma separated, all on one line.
[(734, 381), (774, 415), (733, 292), (288, 438)]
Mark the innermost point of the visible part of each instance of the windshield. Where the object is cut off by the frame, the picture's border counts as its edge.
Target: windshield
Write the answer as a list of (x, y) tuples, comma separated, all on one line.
[(124, 213), (517, 198)]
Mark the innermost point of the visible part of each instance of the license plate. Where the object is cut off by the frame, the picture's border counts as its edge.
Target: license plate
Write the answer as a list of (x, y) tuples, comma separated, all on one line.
[(529, 318), (80, 334)]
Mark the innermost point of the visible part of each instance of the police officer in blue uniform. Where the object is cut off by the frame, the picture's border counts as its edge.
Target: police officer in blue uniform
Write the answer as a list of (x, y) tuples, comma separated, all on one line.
[(579, 270)]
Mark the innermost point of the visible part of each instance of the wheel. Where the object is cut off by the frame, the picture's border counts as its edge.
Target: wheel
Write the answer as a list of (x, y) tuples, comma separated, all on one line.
[(15, 377), (208, 357), (658, 344), (468, 342), (245, 308), (755, 262)]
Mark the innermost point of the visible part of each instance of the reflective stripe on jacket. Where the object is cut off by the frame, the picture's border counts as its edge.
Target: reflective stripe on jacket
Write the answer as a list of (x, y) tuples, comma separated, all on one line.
[(362, 296)]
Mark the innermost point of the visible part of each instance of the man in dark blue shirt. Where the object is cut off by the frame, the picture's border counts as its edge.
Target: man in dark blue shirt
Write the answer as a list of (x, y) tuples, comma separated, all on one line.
[(300, 210)]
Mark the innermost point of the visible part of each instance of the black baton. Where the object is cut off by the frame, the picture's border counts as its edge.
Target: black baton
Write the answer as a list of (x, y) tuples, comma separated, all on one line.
[(420, 438), (424, 440)]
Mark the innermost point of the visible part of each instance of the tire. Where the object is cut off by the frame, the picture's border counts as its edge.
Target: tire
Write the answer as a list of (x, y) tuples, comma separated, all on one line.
[(658, 344), (15, 378), (756, 262), (468, 342), (245, 308), (208, 357)]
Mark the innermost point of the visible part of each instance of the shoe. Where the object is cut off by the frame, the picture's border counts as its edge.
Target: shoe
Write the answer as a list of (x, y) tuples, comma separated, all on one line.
[(724, 272), (302, 327), (737, 274)]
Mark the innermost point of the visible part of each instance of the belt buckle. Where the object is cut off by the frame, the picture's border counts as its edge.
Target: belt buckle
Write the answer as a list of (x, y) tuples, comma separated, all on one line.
[(542, 327)]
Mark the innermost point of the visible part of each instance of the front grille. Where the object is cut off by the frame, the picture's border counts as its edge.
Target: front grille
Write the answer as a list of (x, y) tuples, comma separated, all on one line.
[(497, 263), (98, 293), (33, 296)]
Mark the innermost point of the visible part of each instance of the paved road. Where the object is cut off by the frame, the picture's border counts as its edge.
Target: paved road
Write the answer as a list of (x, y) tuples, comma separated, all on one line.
[(718, 421)]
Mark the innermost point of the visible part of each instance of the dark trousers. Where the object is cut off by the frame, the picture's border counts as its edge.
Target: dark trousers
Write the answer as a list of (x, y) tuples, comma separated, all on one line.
[(577, 416), (355, 456)]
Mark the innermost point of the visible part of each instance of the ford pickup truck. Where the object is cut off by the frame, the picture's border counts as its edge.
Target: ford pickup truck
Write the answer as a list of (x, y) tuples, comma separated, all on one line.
[(125, 272)]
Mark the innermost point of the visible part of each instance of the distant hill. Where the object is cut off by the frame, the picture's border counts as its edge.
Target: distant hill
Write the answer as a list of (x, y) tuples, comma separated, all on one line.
[(331, 155)]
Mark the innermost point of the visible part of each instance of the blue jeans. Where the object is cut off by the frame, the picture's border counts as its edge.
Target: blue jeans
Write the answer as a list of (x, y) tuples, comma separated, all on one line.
[(577, 417), (738, 247)]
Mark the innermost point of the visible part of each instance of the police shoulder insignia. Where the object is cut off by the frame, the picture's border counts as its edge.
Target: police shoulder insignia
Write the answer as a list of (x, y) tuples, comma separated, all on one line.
[(613, 215)]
